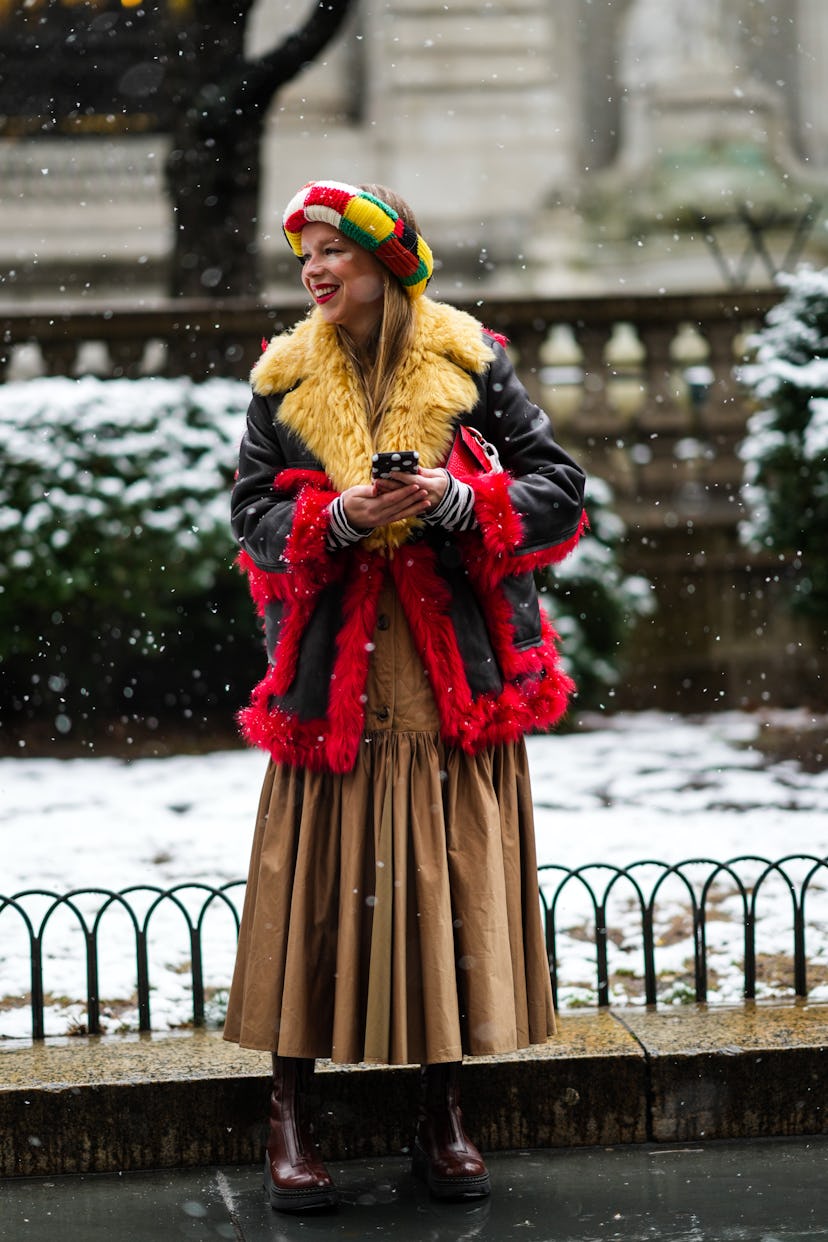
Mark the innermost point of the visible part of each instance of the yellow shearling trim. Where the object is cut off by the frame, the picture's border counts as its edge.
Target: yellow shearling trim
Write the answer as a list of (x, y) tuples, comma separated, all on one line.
[(323, 402)]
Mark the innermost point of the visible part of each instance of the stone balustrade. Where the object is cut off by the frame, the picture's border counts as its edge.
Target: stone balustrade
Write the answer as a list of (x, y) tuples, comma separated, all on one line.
[(643, 390)]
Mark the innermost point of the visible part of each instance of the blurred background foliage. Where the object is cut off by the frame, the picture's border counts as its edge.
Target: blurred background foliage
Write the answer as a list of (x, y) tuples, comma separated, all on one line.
[(786, 449), (118, 596)]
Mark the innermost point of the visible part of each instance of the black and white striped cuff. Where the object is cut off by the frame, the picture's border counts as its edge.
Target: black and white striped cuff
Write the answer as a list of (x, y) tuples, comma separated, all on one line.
[(456, 509), (340, 533)]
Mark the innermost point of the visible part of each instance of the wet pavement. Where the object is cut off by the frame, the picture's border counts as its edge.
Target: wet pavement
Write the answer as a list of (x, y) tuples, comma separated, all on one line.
[(761, 1191)]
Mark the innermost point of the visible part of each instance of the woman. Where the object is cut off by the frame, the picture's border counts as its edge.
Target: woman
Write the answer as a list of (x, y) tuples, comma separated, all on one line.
[(391, 913)]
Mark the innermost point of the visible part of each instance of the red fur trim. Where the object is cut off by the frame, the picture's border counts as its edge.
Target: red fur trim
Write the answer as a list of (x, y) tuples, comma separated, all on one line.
[(499, 523), (305, 545), (310, 562), (309, 566), (294, 479), (536, 692), (346, 712), (550, 556), (289, 740), (331, 743), (534, 702), (489, 571), (496, 336), (263, 586), (294, 620), (534, 695)]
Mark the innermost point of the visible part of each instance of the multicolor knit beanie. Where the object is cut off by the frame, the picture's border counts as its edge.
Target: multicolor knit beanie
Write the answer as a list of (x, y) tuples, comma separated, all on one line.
[(366, 220)]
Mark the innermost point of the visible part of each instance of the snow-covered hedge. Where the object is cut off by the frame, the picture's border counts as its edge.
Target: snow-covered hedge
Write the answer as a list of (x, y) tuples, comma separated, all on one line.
[(786, 449), (113, 525), (593, 603)]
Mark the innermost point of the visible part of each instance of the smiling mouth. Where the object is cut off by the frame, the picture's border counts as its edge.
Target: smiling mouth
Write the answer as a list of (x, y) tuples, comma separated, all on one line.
[(324, 293)]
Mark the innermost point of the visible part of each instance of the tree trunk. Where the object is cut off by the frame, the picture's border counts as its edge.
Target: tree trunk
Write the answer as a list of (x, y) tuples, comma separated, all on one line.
[(219, 104), (214, 186)]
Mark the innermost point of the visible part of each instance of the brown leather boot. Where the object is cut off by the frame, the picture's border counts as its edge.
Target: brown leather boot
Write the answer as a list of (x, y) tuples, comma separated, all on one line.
[(295, 1178), (444, 1155)]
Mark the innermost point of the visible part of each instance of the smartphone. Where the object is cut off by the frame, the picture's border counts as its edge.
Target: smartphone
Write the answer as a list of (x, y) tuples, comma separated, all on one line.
[(404, 461)]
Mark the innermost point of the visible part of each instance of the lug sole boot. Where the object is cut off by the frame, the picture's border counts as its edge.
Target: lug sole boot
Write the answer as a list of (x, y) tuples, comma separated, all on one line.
[(295, 1178), (443, 1154)]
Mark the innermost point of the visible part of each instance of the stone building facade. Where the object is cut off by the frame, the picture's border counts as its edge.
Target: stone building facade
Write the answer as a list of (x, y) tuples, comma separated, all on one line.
[(549, 147)]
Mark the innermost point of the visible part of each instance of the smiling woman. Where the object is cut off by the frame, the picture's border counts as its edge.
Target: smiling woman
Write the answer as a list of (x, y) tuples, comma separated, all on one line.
[(345, 281), (391, 912)]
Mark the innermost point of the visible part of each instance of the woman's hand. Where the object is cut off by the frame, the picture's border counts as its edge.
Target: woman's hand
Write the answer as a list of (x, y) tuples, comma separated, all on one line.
[(391, 500), (433, 482), (377, 505)]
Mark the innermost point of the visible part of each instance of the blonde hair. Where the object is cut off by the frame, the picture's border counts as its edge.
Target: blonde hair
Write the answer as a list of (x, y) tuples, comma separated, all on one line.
[(377, 361)]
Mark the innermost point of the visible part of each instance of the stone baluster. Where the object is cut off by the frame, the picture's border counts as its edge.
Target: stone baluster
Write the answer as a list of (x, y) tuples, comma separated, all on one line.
[(59, 356), (236, 359), (187, 352), (662, 420), (661, 411), (596, 417), (127, 356), (725, 407), (723, 419), (561, 376), (599, 426)]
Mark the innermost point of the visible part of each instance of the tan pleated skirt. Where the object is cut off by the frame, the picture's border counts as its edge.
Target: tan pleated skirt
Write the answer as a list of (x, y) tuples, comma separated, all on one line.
[(392, 913)]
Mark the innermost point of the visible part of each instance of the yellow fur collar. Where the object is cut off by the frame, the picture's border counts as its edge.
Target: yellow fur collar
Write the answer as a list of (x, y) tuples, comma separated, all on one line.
[(323, 404)]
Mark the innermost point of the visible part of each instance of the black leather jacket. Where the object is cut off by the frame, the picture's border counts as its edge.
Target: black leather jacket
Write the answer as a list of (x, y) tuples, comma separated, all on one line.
[(528, 515)]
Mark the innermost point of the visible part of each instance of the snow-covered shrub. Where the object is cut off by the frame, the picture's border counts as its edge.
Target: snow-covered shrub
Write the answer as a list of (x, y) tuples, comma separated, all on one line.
[(114, 535), (593, 602), (786, 449)]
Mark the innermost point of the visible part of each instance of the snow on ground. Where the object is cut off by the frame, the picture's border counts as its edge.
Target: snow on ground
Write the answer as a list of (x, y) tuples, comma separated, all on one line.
[(627, 788), (672, 789)]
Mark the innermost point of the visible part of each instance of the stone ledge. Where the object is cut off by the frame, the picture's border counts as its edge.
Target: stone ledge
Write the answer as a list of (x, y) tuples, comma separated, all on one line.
[(610, 1077), (745, 1072)]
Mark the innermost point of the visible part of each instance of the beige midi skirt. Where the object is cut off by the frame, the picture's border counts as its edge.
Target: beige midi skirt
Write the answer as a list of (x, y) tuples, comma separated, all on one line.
[(392, 913)]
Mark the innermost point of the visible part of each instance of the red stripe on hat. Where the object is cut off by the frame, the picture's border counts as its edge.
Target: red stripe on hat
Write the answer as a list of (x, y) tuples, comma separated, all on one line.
[(396, 258), (329, 196), (295, 222)]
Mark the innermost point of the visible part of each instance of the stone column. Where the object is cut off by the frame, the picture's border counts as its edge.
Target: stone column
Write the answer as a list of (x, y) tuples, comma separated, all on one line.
[(469, 106), (812, 40), (680, 67)]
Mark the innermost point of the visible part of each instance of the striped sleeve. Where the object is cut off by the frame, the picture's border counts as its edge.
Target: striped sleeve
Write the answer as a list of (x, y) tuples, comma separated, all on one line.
[(341, 534), (456, 509)]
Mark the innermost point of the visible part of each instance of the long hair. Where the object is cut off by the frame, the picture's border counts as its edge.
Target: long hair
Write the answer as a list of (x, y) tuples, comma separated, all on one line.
[(377, 361)]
